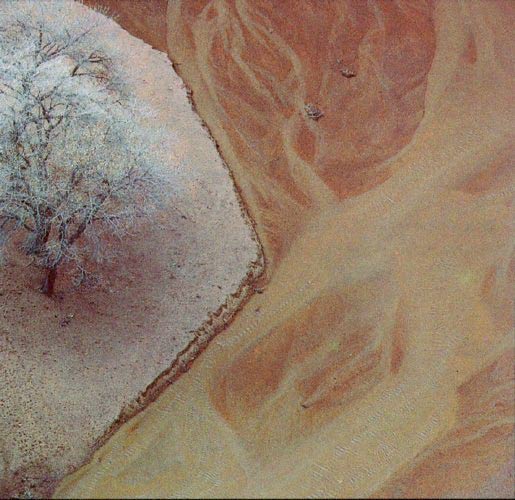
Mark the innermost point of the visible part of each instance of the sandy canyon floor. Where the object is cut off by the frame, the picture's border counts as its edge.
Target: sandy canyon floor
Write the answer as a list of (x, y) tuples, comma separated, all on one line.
[(71, 365), (378, 361)]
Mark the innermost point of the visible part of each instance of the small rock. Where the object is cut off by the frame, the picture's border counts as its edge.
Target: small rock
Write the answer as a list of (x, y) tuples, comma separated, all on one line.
[(66, 320), (347, 73), (313, 112)]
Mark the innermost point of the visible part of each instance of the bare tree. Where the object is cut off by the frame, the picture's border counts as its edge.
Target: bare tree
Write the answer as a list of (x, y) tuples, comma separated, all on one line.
[(74, 167)]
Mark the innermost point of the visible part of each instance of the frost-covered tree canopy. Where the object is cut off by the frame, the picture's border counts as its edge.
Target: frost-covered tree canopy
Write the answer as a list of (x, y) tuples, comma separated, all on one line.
[(73, 164)]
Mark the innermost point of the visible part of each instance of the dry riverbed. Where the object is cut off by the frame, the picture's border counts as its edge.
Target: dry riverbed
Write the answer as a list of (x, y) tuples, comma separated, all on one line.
[(378, 361)]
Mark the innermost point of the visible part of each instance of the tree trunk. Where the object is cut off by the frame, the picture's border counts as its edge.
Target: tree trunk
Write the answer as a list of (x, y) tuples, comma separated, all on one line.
[(41, 240), (48, 284)]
